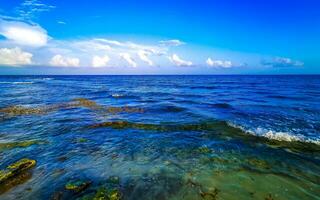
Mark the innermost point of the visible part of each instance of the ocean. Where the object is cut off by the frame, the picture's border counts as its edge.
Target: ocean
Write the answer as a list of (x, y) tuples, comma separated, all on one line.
[(161, 137)]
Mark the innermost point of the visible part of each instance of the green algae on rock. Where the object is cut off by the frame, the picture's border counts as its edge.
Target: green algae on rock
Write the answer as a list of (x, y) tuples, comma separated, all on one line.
[(204, 150), (14, 181), (83, 102), (114, 180), (21, 110), (81, 140), (20, 144), (77, 186), (104, 193), (258, 163), (23, 164), (108, 190), (15, 173), (126, 125)]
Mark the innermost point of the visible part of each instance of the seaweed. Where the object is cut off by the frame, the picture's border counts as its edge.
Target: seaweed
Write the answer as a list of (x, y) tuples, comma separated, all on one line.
[(16, 173), (83, 102), (20, 144), (204, 150), (77, 186), (21, 110)]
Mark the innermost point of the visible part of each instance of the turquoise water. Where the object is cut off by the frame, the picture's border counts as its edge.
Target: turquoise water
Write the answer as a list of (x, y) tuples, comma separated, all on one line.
[(162, 137)]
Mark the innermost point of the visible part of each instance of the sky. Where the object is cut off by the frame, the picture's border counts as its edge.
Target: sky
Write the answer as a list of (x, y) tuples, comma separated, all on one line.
[(159, 37)]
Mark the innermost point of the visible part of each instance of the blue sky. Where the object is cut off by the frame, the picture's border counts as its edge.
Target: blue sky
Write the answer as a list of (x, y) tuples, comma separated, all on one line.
[(159, 37)]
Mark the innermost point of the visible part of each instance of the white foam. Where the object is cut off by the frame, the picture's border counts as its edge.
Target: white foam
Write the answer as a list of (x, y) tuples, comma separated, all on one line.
[(280, 136), (29, 82), (116, 95)]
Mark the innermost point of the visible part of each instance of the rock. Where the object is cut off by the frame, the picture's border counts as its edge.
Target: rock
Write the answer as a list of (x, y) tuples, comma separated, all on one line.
[(269, 197), (27, 143), (77, 186), (83, 102), (258, 163), (81, 140), (114, 194), (204, 150), (15, 174), (107, 194), (210, 195), (20, 110), (101, 194), (114, 180)]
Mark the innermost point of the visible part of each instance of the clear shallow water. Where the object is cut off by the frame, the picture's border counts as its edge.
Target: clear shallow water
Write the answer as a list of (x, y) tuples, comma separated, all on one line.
[(172, 137)]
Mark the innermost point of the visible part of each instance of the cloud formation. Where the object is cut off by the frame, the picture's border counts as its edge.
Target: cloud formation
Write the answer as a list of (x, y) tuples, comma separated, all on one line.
[(60, 61), (61, 22), (143, 55), (280, 62), (14, 57), (171, 42), (29, 9), (219, 63), (175, 59), (98, 61), (23, 34), (127, 57)]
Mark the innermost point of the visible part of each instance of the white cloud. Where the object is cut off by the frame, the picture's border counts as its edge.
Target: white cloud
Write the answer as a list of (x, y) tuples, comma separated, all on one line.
[(219, 63), (31, 37), (171, 42), (61, 22), (127, 57), (143, 55), (178, 61), (29, 9), (14, 56), (282, 62), (23, 34), (98, 61), (133, 47), (59, 60)]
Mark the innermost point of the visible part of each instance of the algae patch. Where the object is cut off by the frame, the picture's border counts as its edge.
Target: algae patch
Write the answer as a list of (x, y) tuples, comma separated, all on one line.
[(77, 186), (15, 174), (20, 144), (21, 110)]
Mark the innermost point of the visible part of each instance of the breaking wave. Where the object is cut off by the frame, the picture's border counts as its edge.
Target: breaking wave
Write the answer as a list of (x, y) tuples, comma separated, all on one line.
[(275, 135), (25, 82)]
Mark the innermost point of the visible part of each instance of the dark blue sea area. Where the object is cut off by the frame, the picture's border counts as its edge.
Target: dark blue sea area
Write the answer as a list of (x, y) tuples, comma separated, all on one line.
[(160, 137)]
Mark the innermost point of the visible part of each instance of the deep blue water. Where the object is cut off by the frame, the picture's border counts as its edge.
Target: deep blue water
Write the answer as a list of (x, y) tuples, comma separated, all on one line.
[(273, 119)]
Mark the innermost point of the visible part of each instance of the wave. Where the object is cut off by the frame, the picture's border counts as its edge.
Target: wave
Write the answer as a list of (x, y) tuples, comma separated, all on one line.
[(26, 82), (277, 135), (221, 105), (217, 127)]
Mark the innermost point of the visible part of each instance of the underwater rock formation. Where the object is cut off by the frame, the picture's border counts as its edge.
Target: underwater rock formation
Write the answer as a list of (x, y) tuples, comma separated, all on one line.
[(22, 144), (20, 110), (77, 186), (83, 102), (15, 174)]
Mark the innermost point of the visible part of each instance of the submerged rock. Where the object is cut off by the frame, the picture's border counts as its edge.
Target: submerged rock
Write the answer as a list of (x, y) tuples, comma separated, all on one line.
[(269, 197), (83, 102), (204, 150), (81, 140), (15, 174), (20, 110), (109, 190), (114, 180), (77, 186), (27, 143), (258, 163), (210, 194), (126, 125), (104, 193)]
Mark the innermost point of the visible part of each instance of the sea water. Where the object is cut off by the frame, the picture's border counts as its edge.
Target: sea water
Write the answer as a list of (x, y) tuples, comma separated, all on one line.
[(163, 137)]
